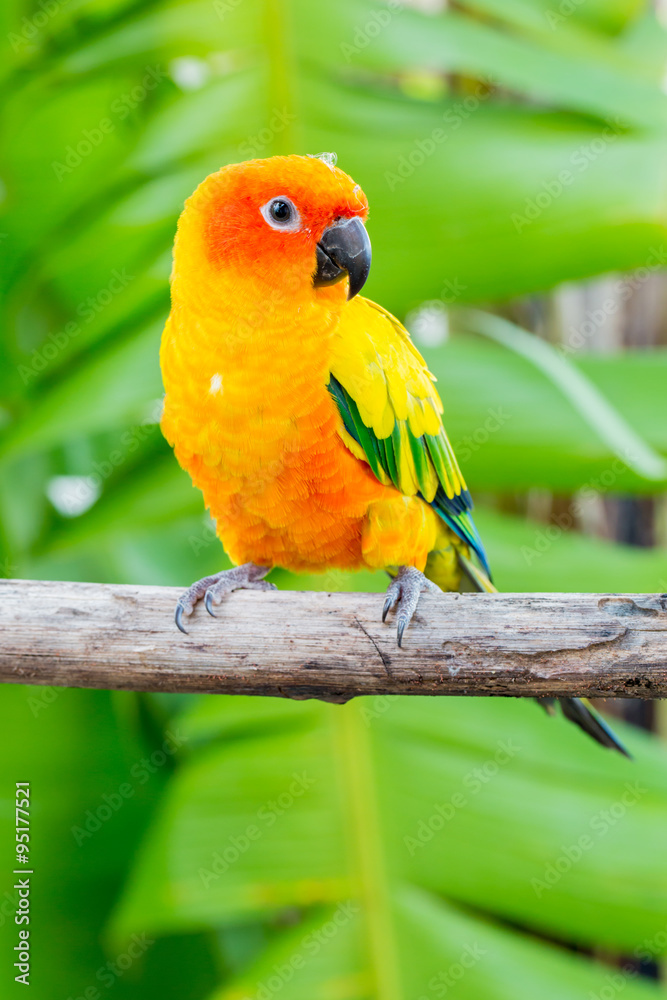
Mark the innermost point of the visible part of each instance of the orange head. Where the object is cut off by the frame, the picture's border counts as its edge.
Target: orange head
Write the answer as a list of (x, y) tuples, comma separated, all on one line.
[(288, 222)]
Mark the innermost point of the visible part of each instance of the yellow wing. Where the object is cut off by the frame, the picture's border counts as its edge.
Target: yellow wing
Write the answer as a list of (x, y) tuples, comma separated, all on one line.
[(392, 414)]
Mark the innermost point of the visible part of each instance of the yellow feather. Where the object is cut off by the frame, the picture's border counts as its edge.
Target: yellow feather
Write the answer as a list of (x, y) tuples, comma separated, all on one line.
[(376, 362)]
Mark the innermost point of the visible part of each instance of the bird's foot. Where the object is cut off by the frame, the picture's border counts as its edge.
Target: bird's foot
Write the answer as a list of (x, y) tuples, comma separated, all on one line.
[(213, 589), (404, 592)]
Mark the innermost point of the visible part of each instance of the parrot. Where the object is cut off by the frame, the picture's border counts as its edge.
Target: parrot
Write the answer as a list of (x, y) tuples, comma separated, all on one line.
[(303, 411)]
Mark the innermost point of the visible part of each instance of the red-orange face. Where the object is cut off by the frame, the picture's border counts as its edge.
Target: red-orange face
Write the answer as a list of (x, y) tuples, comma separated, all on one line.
[(287, 215)]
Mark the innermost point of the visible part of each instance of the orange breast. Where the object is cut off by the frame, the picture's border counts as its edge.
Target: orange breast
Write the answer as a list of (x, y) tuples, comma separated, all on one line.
[(253, 423), (304, 508)]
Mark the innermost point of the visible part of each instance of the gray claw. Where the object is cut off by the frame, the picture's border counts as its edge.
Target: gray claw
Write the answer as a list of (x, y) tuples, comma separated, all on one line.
[(400, 630), (404, 592), (178, 618), (246, 577)]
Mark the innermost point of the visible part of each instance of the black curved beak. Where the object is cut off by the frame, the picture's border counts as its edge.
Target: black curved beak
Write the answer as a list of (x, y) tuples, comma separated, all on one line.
[(343, 249)]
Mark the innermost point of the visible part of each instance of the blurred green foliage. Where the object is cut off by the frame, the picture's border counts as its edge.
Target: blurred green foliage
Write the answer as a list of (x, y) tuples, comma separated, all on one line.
[(505, 146)]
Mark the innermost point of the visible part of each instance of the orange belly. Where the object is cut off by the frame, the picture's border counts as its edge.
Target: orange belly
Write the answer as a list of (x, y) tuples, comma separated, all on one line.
[(252, 421), (303, 508)]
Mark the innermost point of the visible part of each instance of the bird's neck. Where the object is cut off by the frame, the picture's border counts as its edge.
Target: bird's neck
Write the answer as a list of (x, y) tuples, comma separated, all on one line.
[(242, 341)]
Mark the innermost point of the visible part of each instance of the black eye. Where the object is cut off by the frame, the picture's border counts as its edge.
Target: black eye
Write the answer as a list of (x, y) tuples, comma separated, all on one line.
[(281, 214), (281, 211)]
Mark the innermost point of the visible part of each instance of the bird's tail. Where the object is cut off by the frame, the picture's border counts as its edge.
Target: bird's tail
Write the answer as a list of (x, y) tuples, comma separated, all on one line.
[(577, 710), (582, 713)]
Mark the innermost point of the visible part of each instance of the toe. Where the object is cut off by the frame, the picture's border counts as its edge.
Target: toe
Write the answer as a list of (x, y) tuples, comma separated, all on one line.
[(406, 610), (178, 617), (404, 591), (213, 589), (400, 629), (393, 594), (208, 602)]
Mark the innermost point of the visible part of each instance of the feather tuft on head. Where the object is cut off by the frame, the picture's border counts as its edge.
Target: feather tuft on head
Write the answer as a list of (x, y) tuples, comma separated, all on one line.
[(331, 159)]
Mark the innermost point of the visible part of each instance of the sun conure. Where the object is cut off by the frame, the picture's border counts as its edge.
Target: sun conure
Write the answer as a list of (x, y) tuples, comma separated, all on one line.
[(303, 411)]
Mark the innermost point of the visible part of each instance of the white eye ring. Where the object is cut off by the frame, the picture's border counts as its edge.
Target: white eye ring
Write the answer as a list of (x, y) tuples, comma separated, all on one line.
[(291, 223)]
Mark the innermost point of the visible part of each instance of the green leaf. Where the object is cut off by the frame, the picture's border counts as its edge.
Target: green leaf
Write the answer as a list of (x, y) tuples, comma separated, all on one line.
[(474, 800), (527, 556), (610, 86), (584, 396), (113, 389), (91, 799), (512, 428), (468, 204)]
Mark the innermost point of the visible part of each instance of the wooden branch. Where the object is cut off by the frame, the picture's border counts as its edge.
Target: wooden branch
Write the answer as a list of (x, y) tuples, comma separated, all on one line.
[(333, 646)]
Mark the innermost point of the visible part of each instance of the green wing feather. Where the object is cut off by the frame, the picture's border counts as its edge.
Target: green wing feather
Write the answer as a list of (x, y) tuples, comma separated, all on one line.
[(391, 410), (391, 413)]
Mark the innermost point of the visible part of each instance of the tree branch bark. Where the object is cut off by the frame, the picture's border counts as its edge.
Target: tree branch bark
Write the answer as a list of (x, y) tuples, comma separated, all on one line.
[(333, 646)]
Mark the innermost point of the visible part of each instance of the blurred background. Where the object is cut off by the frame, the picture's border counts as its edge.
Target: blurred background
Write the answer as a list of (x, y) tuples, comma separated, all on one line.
[(514, 153)]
